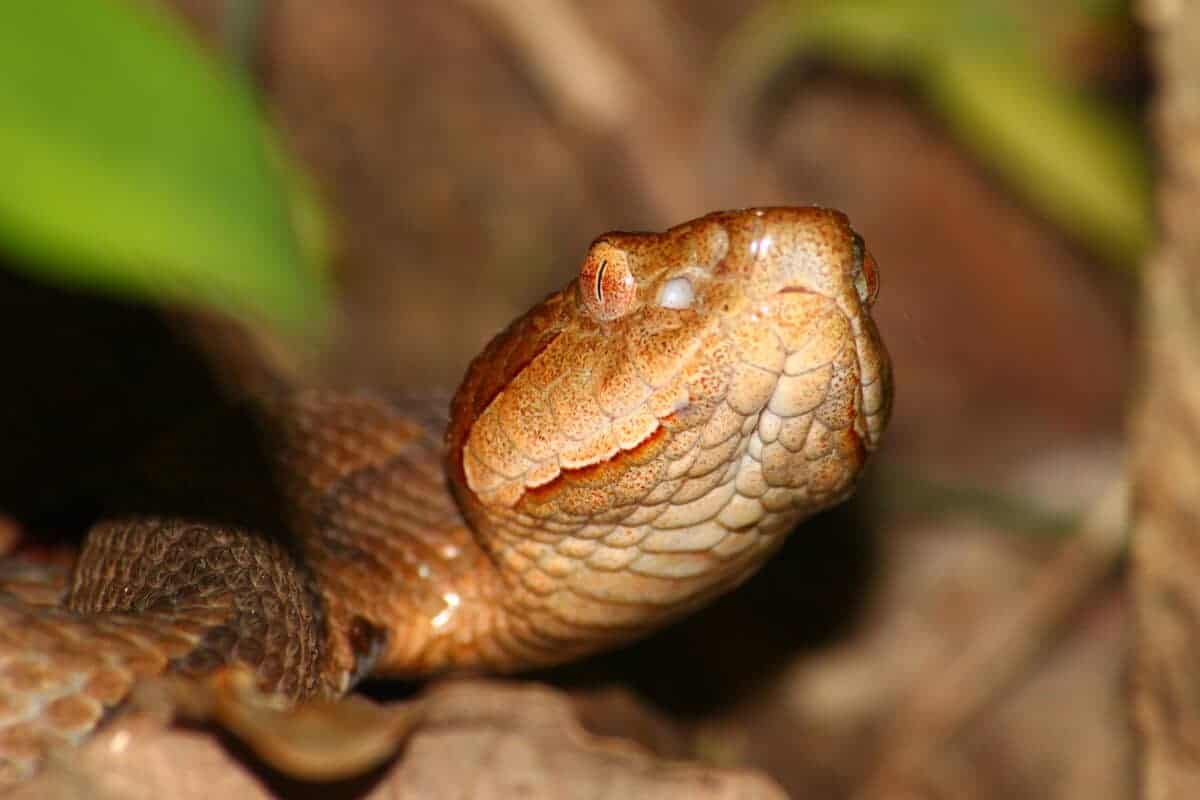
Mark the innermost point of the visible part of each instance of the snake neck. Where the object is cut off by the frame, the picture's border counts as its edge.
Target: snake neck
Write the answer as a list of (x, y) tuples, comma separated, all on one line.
[(407, 588)]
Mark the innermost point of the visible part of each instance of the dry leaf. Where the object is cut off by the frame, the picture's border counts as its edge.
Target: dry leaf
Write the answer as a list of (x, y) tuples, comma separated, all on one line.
[(476, 739)]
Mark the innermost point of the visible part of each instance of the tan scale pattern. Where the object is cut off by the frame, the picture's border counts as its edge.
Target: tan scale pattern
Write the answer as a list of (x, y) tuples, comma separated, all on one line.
[(612, 460), (618, 493)]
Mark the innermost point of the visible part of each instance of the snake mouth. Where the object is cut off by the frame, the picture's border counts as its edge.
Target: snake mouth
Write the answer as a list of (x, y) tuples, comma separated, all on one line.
[(864, 276)]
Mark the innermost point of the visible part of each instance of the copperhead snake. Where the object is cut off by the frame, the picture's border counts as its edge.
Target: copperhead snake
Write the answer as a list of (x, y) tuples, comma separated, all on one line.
[(633, 446)]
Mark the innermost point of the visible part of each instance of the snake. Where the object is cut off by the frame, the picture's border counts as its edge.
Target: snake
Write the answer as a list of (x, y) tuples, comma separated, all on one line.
[(633, 446)]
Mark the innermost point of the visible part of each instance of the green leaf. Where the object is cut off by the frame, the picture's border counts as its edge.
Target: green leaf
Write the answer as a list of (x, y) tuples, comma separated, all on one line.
[(878, 37), (134, 163), (981, 66), (1079, 162)]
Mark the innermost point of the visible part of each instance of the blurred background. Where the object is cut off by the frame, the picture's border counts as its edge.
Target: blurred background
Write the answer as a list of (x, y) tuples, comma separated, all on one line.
[(428, 171)]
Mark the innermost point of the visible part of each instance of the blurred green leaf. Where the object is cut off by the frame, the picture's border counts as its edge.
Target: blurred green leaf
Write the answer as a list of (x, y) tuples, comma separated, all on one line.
[(980, 65), (907, 491), (240, 23), (133, 163), (1077, 161)]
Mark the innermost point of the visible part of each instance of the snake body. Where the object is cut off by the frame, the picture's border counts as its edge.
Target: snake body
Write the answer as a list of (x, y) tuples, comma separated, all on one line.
[(631, 447)]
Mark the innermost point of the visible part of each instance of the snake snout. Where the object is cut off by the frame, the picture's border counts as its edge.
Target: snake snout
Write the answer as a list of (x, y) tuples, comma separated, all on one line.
[(807, 249), (821, 283)]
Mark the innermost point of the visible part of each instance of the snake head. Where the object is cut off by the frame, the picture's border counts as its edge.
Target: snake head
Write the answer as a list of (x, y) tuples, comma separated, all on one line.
[(764, 311), (644, 437)]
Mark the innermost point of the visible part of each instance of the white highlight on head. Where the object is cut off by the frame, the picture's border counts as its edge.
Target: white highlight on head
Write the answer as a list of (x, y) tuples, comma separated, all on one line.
[(452, 601), (119, 743), (676, 293), (761, 246)]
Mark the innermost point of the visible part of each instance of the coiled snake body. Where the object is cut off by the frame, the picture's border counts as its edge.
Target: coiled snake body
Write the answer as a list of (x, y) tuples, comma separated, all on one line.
[(630, 448)]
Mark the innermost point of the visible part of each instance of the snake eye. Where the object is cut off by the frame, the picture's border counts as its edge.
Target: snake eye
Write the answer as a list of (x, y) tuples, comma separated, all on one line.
[(866, 273), (607, 288)]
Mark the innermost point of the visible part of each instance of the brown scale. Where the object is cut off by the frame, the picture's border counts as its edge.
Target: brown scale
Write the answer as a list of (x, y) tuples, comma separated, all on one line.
[(273, 623)]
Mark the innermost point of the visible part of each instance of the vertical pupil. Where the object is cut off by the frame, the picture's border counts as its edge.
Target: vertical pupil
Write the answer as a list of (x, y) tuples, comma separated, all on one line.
[(600, 281)]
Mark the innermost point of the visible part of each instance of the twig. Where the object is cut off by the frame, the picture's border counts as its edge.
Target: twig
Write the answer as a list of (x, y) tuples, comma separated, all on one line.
[(590, 86), (941, 708)]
